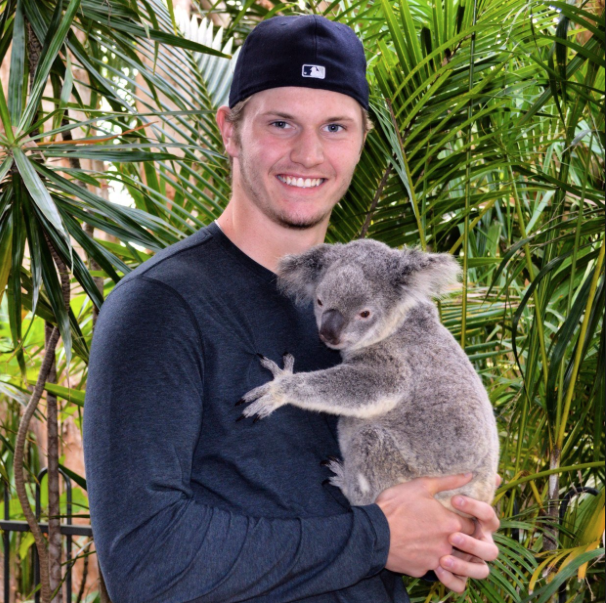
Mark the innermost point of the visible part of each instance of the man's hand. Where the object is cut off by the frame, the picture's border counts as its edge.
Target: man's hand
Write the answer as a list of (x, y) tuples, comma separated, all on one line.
[(423, 532), (419, 525)]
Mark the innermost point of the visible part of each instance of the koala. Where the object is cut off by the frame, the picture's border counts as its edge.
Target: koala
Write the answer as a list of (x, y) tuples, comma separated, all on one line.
[(409, 401)]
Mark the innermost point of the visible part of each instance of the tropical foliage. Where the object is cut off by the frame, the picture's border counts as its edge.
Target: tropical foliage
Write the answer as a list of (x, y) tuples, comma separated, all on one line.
[(488, 143)]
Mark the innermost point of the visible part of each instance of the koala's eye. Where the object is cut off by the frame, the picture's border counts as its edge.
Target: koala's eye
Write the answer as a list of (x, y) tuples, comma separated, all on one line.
[(319, 302), (365, 314)]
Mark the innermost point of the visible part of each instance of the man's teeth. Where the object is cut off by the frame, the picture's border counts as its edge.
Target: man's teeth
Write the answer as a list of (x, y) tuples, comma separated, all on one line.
[(301, 182)]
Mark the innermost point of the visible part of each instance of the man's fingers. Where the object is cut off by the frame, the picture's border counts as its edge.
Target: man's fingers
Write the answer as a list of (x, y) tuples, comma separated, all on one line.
[(448, 482), (449, 580), (484, 549), (465, 569), (468, 526), (464, 556), (499, 480), (478, 509)]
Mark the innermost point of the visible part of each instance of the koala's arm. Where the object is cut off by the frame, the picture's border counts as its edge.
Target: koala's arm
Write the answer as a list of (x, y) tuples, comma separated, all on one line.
[(353, 390)]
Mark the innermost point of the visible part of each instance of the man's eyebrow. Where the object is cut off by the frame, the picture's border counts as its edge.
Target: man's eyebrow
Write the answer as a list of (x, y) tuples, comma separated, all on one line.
[(278, 114), (341, 118), (288, 116)]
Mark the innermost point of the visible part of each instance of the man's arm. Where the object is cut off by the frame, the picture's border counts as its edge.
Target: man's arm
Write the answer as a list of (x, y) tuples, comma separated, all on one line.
[(143, 416)]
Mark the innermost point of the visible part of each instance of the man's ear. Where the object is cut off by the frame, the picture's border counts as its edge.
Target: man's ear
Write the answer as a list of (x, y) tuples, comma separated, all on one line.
[(299, 274), (427, 274), (228, 131)]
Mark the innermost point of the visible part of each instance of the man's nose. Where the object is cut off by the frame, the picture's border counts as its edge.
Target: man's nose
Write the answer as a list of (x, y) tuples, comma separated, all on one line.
[(307, 150)]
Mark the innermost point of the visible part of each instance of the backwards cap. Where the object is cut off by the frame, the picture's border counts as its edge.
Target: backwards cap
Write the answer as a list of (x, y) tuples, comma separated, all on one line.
[(309, 51)]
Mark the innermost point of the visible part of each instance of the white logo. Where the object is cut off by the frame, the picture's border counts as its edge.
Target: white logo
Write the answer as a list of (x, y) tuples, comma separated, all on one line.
[(316, 71)]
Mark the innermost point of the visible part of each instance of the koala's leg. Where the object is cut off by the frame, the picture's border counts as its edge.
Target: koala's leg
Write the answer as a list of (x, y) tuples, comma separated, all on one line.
[(371, 463), (346, 390)]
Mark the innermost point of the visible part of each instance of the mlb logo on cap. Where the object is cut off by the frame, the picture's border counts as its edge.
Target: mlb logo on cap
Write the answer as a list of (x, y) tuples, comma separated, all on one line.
[(316, 71)]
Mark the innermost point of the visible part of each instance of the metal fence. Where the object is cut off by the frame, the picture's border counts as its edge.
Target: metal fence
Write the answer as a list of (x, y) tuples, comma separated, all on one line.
[(68, 531)]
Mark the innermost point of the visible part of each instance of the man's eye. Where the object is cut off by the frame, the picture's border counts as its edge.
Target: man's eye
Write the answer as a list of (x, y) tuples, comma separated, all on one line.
[(335, 128), (280, 124)]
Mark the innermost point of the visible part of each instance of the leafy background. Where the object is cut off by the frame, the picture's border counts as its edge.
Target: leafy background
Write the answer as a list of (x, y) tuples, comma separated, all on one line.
[(488, 143)]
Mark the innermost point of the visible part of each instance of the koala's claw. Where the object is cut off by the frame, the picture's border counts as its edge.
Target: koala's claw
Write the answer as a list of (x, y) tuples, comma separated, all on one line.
[(240, 402)]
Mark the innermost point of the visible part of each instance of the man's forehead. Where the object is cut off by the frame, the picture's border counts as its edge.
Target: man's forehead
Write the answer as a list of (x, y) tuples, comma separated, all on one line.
[(304, 103)]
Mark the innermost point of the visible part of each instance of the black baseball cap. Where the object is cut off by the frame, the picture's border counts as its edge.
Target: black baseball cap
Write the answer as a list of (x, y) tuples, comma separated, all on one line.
[(308, 51)]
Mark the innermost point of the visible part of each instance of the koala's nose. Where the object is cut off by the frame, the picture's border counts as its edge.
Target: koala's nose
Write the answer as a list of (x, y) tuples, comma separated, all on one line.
[(331, 326)]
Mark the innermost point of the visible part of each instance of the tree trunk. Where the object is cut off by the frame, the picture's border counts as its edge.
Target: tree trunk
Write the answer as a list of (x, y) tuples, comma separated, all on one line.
[(54, 522), (550, 538), (19, 455)]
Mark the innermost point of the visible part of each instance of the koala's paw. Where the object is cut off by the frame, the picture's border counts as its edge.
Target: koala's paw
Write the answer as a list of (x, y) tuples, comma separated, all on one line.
[(264, 400)]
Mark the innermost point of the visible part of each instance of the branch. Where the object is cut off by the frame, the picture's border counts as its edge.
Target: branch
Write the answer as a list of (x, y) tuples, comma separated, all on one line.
[(375, 201)]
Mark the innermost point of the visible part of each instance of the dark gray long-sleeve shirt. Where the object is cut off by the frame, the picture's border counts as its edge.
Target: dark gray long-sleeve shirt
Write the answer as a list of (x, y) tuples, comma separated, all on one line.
[(186, 503)]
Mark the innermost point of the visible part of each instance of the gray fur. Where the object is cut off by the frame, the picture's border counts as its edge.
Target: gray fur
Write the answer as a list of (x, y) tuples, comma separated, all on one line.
[(409, 400)]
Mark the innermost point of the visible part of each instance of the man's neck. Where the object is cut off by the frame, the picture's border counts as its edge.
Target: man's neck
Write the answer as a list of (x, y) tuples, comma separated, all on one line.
[(262, 239)]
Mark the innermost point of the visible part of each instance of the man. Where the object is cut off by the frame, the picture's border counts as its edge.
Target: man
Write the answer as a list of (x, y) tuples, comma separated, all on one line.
[(187, 502)]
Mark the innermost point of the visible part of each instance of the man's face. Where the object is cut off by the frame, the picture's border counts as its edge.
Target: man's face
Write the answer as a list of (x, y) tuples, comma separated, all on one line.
[(295, 153)]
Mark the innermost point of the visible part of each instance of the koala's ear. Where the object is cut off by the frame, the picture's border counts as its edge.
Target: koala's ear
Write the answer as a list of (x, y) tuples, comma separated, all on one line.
[(299, 274), (428, 274)]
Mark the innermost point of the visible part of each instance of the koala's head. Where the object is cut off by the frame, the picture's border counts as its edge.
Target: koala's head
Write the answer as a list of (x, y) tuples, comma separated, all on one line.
[(362, 290)]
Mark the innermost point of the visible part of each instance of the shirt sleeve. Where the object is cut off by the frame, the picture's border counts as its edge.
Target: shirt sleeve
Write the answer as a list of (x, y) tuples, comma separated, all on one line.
[(155, 542)]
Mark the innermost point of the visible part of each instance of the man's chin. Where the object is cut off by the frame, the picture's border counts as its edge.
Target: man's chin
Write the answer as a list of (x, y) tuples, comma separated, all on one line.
[(300, 222)]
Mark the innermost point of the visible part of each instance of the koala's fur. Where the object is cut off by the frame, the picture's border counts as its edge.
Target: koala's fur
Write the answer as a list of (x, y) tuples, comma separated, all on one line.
[(410, 402)]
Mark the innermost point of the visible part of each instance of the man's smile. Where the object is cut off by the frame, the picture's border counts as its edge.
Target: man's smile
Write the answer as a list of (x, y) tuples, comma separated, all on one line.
[(300, 182)]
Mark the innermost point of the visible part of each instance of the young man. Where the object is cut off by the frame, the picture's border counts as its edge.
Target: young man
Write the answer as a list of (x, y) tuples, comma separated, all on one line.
[(187, 502)]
